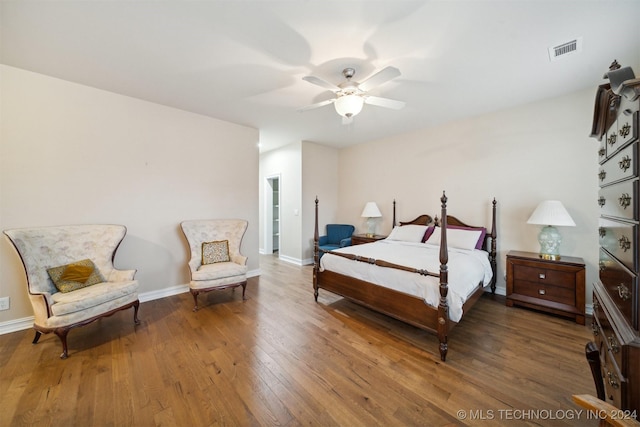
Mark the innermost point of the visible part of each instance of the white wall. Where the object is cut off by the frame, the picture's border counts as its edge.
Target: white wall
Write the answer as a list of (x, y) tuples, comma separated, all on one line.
[(320, 177), (284, 162), (306, 170), (519, 156), (73, 154)]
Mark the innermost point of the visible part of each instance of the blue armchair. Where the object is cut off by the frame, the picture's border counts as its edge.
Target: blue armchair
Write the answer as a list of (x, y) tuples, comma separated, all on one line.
[(338, 236)]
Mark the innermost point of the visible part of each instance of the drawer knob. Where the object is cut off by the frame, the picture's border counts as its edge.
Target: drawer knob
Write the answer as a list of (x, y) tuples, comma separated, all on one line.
[(624, 243), (601, 201), (625, 163), (595, 329), (626, 129), (623, 292), (542, 291), (624, 200), (542, 276), (613, 344), (613, 379), (612, 139), (602, 175), (602, 152), (602, 232)]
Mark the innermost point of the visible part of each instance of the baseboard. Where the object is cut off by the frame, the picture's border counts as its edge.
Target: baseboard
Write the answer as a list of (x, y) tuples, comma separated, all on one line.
[(27, 322), (163, 293), (16, 325), (290, 260), (500, 290)]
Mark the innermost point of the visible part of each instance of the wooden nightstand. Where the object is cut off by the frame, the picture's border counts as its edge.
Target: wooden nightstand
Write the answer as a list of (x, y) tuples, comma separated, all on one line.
[(554, 286), (358, 239)]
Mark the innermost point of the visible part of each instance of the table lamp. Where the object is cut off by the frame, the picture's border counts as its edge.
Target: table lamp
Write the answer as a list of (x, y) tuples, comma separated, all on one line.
[(550, 213), (371, 212)]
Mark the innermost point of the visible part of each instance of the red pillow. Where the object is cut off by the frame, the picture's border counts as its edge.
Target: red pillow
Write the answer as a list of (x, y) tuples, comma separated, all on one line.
[(428, 233)]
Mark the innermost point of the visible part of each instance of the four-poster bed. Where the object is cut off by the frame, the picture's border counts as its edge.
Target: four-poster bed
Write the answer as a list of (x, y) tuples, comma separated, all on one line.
[(397, 285)]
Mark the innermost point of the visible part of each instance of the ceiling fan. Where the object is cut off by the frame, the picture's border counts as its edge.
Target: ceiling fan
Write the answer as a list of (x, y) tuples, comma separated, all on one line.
[(351, 96)]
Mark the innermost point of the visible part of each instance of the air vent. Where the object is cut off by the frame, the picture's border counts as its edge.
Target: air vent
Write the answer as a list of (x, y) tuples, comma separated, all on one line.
[(565, 49)]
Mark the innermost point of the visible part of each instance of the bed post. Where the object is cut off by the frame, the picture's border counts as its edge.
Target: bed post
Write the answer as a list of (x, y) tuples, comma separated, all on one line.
[(316, 258), (492, 253), (443, 307), (394, 215)]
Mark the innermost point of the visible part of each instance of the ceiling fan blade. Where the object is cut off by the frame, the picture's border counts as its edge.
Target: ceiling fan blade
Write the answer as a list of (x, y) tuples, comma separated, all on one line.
[(384, 102), (317, 105), (323, 83), (378, 78)]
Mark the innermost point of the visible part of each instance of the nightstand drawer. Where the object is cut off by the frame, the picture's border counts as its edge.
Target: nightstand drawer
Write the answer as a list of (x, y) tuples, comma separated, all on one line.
[(549, 292), (544, 277)]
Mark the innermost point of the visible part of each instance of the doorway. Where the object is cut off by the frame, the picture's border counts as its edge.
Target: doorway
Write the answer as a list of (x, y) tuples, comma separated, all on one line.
[(273, 226)]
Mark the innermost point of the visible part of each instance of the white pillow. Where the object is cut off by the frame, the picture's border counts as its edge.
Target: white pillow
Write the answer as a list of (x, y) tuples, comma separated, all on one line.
[(456, 238), (408, 233)]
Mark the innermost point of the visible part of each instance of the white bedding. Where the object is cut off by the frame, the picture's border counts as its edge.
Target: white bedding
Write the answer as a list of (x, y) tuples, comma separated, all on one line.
[(467, 268)]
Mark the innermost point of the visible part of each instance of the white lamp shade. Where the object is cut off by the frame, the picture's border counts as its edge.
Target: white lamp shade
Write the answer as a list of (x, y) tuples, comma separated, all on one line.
[(551, 212), (371, 210), (349, 105)]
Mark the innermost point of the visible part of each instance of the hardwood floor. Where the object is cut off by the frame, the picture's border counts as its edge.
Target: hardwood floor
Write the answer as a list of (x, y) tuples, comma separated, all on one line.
[(279, 358)]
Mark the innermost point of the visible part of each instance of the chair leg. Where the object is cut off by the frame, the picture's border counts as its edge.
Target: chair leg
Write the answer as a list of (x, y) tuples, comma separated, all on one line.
[(36, 338), (244, 288), (195, 299), (136, 306), (62, 334)]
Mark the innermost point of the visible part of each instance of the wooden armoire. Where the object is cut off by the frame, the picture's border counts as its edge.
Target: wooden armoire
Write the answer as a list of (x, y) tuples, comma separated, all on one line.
[(614, 355)]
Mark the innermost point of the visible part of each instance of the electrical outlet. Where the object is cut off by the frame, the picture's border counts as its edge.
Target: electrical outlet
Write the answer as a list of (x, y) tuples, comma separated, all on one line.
[(4, 303)]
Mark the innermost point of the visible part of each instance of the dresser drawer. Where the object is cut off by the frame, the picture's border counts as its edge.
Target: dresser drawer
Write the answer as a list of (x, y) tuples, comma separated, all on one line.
[(627, 122), (602, 150), (612, 381), (619, 200), (621, 285), (620, 239), (611, 140), (622, 166), (605, 337)]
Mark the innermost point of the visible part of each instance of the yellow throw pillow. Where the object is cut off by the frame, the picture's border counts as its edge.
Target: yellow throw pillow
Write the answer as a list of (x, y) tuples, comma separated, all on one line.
[(76, 275), (217, 251)]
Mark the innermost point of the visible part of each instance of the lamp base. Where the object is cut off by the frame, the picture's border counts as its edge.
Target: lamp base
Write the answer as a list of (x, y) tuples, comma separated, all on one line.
[(371, 227), (550, 240)]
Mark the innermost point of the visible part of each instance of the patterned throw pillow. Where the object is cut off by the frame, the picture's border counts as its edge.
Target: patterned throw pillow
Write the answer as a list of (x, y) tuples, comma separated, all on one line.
[(217, 251), (77, 275)]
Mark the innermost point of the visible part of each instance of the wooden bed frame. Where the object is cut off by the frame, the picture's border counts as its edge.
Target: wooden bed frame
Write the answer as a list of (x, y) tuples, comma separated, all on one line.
[(402, 306)]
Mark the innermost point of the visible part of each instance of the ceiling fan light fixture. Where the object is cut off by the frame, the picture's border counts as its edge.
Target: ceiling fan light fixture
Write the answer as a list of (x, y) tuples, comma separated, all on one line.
[(349, 105)]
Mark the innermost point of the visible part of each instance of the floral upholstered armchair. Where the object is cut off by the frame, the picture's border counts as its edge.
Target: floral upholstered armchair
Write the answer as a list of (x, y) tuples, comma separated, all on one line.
[(71, 278), (215, 259)]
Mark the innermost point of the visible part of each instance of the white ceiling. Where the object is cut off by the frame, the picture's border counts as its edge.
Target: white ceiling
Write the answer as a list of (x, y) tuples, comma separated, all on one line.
[(243, 61)]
